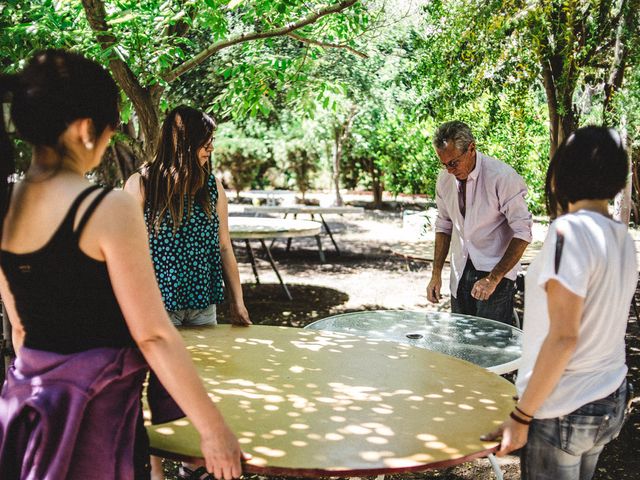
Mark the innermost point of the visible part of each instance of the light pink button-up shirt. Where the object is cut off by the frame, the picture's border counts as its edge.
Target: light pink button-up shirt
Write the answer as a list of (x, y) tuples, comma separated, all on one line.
[(496, 212)]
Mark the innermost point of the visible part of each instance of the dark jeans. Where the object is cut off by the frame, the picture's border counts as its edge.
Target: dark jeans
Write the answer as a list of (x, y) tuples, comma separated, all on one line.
[(568, 447), (499, 306)]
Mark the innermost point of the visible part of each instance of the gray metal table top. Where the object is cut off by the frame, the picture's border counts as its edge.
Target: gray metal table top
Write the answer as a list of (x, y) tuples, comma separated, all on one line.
[(487, 343)]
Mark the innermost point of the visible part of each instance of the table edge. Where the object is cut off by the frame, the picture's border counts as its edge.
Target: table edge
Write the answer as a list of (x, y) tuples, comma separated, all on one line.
[(312, 473)]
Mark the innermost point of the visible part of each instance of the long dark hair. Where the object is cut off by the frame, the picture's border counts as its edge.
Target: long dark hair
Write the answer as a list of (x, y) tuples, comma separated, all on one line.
[(175, 175), (56, 88), (591, 163)]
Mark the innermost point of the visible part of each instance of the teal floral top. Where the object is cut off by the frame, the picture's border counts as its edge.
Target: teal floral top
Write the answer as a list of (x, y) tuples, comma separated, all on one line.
[(188, 264)]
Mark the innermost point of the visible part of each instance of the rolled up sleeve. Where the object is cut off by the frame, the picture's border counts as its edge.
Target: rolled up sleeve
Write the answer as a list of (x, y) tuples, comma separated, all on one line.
[(443, 220), (513, 205)]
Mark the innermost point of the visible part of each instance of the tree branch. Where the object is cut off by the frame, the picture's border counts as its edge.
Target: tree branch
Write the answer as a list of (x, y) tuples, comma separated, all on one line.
[(96, 16), (139, 96), (276, 32), (327, 45)]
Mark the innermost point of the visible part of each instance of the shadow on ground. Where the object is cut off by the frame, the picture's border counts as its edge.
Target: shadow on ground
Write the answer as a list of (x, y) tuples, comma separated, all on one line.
[(268, 305)]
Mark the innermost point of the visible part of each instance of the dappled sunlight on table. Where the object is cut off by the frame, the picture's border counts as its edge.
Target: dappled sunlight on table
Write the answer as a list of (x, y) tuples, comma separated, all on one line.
[(307, 400)]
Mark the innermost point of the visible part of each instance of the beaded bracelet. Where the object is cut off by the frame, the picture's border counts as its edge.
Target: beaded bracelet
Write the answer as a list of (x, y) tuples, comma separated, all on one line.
[(519, 420), (522, 413)]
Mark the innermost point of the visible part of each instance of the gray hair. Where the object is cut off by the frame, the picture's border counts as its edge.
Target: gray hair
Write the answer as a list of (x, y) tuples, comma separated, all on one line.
[(457, 132)]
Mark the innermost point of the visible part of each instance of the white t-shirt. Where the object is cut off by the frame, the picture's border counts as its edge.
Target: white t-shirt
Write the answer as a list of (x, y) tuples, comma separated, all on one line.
[(598, 263)]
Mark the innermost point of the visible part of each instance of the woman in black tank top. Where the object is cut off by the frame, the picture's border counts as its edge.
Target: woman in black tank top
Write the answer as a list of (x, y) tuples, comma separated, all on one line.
[(80, 291)]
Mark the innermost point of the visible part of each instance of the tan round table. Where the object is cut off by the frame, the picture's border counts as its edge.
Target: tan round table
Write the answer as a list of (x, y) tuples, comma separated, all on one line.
[(251, 228), (311, 403)]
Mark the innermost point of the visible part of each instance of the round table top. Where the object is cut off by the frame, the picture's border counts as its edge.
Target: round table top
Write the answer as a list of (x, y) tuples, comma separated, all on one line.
[(310, 403), (486, 343), (310, 209), (424, 251), (246, 228)]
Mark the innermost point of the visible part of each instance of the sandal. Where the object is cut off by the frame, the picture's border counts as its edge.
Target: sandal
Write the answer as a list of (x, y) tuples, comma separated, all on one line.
[(199, 473)]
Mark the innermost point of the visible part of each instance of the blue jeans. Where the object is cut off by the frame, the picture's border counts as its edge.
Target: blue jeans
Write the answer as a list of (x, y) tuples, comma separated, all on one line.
[(194, 318), (499, 306), (568, 447)]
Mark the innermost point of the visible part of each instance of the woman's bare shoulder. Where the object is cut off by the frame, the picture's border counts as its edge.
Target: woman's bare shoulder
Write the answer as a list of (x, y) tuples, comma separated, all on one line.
[(133, 187), (118, 207)]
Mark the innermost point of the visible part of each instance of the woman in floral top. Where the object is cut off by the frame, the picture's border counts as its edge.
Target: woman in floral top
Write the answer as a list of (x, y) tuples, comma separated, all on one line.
[(185, 209)]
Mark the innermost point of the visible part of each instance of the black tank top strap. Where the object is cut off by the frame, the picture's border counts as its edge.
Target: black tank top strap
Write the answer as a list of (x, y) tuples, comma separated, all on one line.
[(75, 205), (89, 211)]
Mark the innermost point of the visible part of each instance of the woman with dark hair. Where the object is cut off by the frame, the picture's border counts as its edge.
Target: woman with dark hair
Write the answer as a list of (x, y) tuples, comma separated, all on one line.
[(185, 209), (81, 294), (572, 380)]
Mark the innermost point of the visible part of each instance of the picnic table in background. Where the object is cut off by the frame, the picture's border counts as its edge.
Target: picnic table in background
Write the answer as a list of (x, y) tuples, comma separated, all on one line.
[(248, 229), (295, 210)]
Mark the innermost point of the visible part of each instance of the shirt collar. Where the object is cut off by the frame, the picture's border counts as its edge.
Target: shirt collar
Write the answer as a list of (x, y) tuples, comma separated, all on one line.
[(476, 171)]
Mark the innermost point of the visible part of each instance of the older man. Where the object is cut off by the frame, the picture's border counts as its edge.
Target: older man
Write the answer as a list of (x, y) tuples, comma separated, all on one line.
[(483, 218)]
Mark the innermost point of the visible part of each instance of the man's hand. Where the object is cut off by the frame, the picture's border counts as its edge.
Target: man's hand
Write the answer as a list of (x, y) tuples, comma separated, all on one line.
[(484, 288), (433, 289)]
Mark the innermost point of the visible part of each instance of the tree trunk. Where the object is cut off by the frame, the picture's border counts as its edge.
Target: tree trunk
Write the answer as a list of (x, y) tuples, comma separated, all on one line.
[(377, 191), (634, 160), (622, 202), (561, 125), (340, 135), (337, 158), (126, 159), (374, 172)]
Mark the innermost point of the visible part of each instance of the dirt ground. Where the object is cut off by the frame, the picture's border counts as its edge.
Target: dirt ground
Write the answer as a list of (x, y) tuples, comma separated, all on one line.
[(366, 275)]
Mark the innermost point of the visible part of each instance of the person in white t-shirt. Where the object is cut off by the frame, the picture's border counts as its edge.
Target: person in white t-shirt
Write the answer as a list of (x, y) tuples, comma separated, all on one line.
[(572, 381)]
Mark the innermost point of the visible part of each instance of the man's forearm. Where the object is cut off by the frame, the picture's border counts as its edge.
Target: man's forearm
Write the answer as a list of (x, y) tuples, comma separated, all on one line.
[(441, 251), (513, 254)]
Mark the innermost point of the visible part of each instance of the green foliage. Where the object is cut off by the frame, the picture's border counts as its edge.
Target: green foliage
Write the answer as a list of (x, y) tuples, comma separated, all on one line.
[(302, 162), (393, 72), (242, 161)]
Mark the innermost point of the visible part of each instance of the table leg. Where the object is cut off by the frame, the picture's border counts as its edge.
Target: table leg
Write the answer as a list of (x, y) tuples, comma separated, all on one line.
[(275, 269), (252, 259), (274, 240), (320, 251), (495, 466), (328, 230), (407, 264), (295, 216)]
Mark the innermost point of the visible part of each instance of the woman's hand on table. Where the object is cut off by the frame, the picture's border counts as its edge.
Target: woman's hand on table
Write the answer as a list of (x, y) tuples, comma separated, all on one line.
[(222, 454), (240, 315), (512, 436)]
